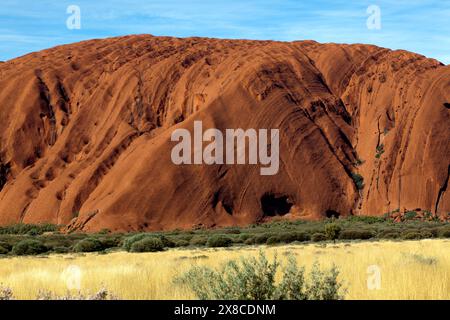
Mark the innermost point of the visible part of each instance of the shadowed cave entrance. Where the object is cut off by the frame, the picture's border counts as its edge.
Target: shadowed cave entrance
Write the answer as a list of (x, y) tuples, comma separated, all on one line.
[(332, 214), (273, 205)]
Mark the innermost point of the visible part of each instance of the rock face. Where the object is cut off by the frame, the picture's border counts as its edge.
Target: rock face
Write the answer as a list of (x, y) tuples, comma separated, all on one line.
[(85, 132)]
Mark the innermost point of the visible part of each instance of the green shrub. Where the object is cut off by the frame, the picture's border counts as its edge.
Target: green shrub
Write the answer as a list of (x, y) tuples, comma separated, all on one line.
[(444, 233), (128, 242), (318, 236), (250, 241), (168, 243), (181, 243), (380, 151), (6, 245), (229, 231), (273, 240), (186, 237), (366, 219), (219, 241), (410, 215), (427, 214), (148, 244), (356, 234), (88, 245), (389, 234), (411, 235), (358, 180), (254, 279), (302, 236), (288, 237), (244, 237), (199, 241), (261, 238), (29, 247), (292, 236), (61, 250), (3, 250), (426, 234), (110, 242), (332, 231)]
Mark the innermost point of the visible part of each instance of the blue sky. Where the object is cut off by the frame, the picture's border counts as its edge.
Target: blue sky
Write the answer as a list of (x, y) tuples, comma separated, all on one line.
[(420, 26)]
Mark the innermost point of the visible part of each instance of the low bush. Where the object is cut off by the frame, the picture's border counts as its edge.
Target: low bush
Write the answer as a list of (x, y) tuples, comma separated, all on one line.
[(389, 234), (255, 279), (219, 241), (108, 242), (410, 215), (5, 245), (365, 219), (148, 244), (199, 240), (29, 247), (261, 238), (288, 237), (426, 234), (3, 250), (444, 233), (411, 235), (128, 241), (181, 243), (318, 236), (168, 243), (273, 240), (434, 232), (186, 237), (356, 234), (88, 245), (61, 250), (229, 231), (244, 237), (250, 241)]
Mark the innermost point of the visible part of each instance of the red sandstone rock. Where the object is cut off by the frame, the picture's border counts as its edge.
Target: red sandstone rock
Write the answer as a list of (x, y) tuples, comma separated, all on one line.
[(85, 131)]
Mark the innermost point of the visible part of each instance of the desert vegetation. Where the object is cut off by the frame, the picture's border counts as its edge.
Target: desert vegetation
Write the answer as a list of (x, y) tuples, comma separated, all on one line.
[(417, 269), (46, 239), (325, 259), (255, 279)]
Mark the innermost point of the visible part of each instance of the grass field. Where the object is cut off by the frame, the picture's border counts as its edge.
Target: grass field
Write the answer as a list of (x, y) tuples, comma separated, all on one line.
[(418, 269)]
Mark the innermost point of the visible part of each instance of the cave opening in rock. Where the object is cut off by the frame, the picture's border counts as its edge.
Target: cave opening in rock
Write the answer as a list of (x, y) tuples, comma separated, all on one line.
[(273, 205), (224, 200), (332, 214), (4, 172)]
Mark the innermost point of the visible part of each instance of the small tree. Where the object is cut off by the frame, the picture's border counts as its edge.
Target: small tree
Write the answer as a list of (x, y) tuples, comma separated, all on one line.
[(149, 244), (332, 231)]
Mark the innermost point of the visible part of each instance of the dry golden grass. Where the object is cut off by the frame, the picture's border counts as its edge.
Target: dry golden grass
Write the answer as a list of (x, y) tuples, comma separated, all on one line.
[(409, 269)]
